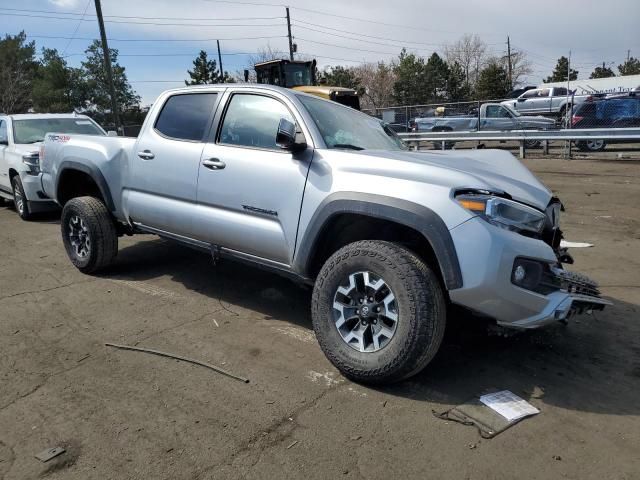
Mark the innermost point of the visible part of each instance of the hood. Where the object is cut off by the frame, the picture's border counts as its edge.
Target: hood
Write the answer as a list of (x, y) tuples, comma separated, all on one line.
[(494, 170), (27, 148)]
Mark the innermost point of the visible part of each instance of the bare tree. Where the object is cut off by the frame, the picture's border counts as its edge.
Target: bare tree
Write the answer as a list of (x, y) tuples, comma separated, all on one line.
[(470, 52), (264, 54), (376, 80), (520, 68)]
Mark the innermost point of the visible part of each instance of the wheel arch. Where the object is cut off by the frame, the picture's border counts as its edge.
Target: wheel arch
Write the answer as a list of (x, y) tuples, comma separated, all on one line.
[(77, 179), (339, 220)]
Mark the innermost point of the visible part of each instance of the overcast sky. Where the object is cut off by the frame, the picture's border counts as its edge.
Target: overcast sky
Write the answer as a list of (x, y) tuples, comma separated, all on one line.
[(333, 31)]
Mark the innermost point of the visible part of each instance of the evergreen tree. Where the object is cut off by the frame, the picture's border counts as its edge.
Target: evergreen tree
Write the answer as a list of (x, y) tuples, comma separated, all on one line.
[(204, 71), (630, 67), (408, 88), (560, 72), (17, 71), (602, 72), (493, 81), (339, 76), (435, 76), (94, 89), (457, 87), (55, 88)]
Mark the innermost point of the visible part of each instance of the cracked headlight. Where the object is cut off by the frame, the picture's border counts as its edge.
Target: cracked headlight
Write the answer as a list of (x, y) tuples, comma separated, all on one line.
[(504, 213)]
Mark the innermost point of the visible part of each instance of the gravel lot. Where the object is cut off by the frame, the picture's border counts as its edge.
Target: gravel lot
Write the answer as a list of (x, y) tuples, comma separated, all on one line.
[(123, 414)]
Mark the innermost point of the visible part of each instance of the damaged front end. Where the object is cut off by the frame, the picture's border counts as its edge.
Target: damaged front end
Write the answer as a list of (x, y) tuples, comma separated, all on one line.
[(570, 293)]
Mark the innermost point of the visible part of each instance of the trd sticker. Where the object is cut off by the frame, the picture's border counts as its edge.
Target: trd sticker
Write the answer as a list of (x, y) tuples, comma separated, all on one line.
[(59, 138)]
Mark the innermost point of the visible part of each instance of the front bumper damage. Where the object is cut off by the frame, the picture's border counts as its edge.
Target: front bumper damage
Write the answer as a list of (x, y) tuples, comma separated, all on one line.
[(488, 256), (577, 294)]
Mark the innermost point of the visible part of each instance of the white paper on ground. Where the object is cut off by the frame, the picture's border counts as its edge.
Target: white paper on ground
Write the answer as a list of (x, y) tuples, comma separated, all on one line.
[(509, 405), (566, 244)]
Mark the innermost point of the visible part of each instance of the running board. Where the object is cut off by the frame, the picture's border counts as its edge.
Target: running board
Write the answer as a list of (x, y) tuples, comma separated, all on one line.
[(217, 252)]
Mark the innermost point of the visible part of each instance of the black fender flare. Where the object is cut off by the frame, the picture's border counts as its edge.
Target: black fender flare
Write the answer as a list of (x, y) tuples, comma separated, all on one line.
[(418, 217), (93, 172)]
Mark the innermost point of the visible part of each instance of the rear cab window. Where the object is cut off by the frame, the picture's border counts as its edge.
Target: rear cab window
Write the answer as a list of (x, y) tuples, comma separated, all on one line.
[(186, 116)]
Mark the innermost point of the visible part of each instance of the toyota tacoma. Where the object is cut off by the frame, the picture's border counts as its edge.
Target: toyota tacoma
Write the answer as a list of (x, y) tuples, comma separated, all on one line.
[(390, 239)]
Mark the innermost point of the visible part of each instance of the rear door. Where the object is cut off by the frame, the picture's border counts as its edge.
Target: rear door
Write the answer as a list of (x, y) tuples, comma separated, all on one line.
[(165, 163), (249, 190)]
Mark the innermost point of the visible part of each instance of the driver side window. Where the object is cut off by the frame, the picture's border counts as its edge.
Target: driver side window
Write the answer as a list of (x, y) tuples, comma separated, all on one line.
[(252, 121)]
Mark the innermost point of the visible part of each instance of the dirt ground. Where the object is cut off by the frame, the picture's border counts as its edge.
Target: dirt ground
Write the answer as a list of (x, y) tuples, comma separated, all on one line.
[(123, 414)]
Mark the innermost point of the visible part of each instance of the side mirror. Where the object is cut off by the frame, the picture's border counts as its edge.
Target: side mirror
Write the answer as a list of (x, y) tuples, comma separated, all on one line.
[(112, 133), (521, 99), (287, 138)]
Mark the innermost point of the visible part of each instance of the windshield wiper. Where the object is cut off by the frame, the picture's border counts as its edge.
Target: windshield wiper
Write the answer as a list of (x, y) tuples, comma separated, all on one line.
[(347, 146)]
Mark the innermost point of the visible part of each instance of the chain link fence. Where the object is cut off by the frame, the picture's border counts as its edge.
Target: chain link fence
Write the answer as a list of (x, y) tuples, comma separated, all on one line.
[(531, 113)]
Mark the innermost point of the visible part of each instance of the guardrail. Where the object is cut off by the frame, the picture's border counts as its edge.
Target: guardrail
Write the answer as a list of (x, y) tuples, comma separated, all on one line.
[(522, 136)]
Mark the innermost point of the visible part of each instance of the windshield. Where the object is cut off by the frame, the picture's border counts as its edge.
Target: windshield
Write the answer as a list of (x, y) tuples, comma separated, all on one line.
[(296, 74), (344, 127), (34, 130)]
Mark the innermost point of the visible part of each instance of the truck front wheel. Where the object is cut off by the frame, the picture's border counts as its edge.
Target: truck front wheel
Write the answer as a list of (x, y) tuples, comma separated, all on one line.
[(378, 312), (89, 234), (20, 199)]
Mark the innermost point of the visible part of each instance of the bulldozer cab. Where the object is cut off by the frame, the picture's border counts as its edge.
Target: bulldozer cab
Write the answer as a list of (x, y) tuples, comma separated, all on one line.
[(286, 73), (301, 76)]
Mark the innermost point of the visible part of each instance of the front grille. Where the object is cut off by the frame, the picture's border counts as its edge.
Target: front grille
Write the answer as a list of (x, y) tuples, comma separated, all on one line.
[(573, 282)]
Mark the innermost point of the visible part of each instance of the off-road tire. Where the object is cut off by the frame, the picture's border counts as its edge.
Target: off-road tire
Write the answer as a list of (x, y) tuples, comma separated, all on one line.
[(18, 196), (102, 233), (421, 312)]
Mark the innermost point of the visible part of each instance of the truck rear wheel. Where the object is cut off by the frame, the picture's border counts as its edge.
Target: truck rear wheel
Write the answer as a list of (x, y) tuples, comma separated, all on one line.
[(89, 234), (378, 312)]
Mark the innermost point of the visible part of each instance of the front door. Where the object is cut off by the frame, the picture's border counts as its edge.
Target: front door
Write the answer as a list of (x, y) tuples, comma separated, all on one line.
[(249, 190), (165, 163)]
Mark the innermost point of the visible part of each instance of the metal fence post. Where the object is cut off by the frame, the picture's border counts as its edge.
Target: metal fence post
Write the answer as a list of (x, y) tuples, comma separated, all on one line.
[(523, 150)]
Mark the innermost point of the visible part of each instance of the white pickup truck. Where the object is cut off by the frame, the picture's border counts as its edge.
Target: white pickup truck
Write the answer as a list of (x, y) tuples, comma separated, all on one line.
[(553, 101), (20, 139)]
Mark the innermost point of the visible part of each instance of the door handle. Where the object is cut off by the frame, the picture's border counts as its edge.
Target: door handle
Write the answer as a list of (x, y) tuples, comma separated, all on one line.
[(146, 155), (214, 164)]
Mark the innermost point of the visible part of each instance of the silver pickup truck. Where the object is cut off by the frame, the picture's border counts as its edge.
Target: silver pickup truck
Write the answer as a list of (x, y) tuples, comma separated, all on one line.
[(552, 101), (491, 116), (329, 196)]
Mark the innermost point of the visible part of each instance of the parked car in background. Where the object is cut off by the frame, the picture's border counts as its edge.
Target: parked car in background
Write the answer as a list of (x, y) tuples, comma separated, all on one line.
[(554, 101), (20, 139), (614, 111), (492, 116), (331, 197)]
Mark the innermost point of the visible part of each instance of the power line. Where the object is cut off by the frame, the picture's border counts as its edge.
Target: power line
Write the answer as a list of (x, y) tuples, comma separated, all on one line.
[(347, 47), (77, 28), (297, 22), (165, 54), (159, 39), (362, 40), (138, 16), (149, 23)]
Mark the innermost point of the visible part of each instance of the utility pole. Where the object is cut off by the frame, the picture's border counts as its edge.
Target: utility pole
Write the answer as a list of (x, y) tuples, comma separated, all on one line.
[(509, 63), (107, 67), (220, 61), (289, 35)]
